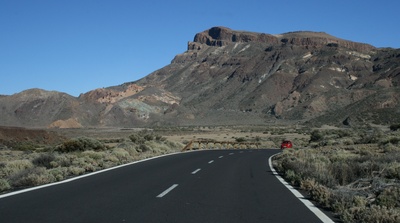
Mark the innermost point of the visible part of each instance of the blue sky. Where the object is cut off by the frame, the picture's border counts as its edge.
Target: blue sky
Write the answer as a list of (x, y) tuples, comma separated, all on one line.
[(75, 46)]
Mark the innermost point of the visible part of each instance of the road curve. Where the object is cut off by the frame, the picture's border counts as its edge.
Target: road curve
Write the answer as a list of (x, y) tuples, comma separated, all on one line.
[(202, 186)]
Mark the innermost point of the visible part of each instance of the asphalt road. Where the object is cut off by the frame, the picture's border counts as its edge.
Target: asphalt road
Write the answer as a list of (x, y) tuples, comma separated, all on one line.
[(205, 186)]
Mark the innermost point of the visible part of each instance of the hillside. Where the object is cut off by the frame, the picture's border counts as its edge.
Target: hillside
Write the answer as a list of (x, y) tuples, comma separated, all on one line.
[(229, 77)]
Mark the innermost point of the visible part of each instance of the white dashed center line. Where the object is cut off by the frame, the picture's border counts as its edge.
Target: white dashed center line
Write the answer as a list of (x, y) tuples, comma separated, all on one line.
[(211, 161), (231, 154), (220, 157), (194, 172), (167, 191)]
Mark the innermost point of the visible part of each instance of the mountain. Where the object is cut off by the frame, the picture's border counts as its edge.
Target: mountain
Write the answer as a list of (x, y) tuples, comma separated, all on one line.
[(229, 77)]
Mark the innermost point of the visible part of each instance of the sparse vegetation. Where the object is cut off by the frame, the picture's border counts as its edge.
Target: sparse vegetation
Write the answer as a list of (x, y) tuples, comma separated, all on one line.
[(81, 144), (78, 156), (355, 173), (352, 172)]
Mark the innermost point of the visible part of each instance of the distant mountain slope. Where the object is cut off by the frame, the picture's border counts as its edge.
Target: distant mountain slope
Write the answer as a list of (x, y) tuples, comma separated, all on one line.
[(293, 76), (235, 77)]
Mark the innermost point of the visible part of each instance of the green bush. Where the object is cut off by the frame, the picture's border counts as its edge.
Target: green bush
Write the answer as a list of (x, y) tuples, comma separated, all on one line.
[(44, 160), (316, 136), (389, 197), (370, 136), (240, 139), (145, 136), (81, 144), (136, 138), (142, 148), (25, 146), (394, 127)]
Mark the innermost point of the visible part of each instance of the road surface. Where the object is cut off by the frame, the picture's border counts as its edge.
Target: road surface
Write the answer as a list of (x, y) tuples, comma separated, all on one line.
[(203, 186)]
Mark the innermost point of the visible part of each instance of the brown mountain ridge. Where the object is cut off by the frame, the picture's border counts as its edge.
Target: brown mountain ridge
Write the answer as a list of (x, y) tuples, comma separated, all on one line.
[(229, 77)]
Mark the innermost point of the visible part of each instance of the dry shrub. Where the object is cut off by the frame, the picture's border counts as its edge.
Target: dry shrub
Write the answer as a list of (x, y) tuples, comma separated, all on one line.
[(15, 166), (389, 197), (159, 148), (4, 185), (269, 144), (358, 182), (374, 213), (87, 163), (323, 195), (31, 177), (129, 147), (63, 160), (95, 155), (44, 160), (59, 173), (292, 177), (144, 136), (81, 144), (73, 170), (122, 155), (142, 148), (301, 164), (392, 170)]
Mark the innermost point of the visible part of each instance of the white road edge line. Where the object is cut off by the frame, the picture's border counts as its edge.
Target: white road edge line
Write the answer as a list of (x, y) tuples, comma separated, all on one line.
[(194, 172), (296, 193), (211, 161), (167, 191)]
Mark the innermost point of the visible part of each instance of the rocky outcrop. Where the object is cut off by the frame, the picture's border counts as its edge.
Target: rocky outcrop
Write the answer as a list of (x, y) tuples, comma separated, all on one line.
[(321, 39), (108, 96), (222, 36), (66, 124)]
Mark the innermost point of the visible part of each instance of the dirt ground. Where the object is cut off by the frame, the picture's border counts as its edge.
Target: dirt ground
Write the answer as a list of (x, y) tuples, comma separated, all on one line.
[(21, 143), (48, 137), (10, 135)]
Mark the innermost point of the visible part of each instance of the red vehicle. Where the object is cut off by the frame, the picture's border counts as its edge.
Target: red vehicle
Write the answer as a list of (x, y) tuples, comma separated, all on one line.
[(286, 144)]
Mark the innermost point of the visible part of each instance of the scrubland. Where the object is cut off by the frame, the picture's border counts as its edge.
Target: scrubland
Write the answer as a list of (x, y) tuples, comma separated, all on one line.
[(76, 156), (352, 172), (355, 173)]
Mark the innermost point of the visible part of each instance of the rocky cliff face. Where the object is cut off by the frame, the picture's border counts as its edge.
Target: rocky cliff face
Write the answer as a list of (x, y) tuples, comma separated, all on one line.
[(221, 36), (258, 77), (236, 77)]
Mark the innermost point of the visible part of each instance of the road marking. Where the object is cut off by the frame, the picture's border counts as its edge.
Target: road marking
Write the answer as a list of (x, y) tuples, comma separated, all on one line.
[(220, 157), (211, 161), (231, 154), (299, 196), (87, 175), (167, 191), (194, 172)]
